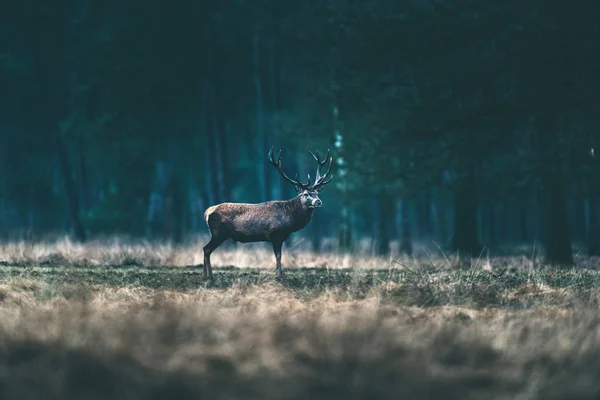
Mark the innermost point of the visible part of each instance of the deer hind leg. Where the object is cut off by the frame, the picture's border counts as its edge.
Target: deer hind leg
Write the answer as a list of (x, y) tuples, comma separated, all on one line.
[(216, 240), (277, 250)]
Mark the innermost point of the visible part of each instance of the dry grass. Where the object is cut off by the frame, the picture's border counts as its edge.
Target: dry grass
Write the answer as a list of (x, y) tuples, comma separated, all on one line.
[(117, 251), (269, 342), (435, 332)]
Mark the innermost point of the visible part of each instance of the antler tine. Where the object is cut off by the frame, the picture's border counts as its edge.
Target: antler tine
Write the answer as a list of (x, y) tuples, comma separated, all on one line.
[(328, 168), (304, 185), (320, 180), (315, 157), (277, 165), (318, 159), (319, 163)]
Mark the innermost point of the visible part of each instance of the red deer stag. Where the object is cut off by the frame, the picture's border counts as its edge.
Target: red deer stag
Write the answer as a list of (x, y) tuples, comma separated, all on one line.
[(272, 221)]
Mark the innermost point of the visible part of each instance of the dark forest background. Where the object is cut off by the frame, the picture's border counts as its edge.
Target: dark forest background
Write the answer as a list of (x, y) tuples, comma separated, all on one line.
[(462, 123)]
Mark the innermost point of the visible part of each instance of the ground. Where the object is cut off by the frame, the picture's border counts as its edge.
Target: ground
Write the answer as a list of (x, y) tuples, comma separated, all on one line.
[(137, 321)]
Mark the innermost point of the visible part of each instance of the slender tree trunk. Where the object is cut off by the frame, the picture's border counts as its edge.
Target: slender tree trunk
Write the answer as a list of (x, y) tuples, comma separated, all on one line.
[(557, 243), (177, 208), (70, 187), (345, 229), (384, 214), (275, 92), (263, 140), (442, 216), (316, 234), (579, 226), (209, 176), (196, 208), (435, 217), (593, 228), (491, 224), (540, 222), (424, 209), (373, 217), (215, 152), (31, 222), (404, 223), (500, 223), (156, 203), (218, 150), (523, 229), (224, 175), (83, 175), (466, 240)]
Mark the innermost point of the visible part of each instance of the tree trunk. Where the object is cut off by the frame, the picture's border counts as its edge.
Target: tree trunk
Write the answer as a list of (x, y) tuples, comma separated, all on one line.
[(384, 213), (316, 234), (346, 228), (593, 228), (435, 217), (83, 176), (441, 216), (209, 176), (491, 224), (175, 209), (275, 93), (579, 233), (557, 243), (223, 166), (404, 223), (70, 188), (424, 207), (524, 231), (466, 240), (156, 203), (263, 141), (215, 151)]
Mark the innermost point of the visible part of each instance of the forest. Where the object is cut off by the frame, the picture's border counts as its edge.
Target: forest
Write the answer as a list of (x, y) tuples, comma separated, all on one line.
[(456, 254), (467, 124)]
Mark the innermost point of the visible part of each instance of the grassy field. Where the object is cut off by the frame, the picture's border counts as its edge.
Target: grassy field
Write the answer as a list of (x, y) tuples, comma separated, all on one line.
[(112, 320)]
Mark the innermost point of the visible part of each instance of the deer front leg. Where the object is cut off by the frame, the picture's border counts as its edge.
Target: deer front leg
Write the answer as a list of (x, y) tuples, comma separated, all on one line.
[(277, 250), (207, 267), (215, 242)]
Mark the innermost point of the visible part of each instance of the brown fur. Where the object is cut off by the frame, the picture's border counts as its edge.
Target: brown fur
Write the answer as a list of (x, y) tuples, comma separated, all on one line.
[(262, 222), (271, 221)]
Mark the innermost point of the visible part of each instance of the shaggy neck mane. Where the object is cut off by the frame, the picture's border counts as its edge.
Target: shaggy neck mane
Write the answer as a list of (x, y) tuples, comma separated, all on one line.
[(300, 213)]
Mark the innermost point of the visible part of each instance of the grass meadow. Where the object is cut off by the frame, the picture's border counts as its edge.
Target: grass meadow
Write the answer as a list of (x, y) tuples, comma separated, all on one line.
[(119, 320)]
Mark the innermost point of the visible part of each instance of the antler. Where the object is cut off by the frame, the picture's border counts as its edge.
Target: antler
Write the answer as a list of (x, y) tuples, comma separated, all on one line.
[(320, 179), (277, 164)]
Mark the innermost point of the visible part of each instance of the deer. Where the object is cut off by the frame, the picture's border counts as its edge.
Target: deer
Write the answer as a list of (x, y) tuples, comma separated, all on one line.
[(271, 221)]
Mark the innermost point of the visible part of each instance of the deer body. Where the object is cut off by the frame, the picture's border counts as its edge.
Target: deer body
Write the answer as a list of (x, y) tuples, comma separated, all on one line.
[(261, 222), (272, 221)]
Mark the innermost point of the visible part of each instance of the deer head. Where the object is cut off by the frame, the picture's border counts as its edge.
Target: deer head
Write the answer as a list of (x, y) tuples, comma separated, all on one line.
[(308, 192)]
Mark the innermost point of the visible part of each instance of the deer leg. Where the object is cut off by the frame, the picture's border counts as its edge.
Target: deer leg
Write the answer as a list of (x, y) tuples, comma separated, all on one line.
[(277, 250), (215, 242)]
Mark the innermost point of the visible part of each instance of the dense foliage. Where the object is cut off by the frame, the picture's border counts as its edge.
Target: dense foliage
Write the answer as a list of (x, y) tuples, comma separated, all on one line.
[(461, 122)]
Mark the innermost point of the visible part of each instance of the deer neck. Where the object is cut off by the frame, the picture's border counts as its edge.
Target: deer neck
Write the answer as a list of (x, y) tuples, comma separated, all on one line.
[(301, 214)]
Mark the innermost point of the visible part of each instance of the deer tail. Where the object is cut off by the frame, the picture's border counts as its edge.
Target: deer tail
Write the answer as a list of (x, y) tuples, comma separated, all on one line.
[(208, 212)]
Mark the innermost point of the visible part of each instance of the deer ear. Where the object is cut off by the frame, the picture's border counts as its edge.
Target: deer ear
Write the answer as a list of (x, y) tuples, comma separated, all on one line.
[(298, 188)]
